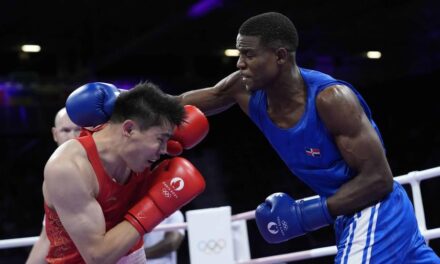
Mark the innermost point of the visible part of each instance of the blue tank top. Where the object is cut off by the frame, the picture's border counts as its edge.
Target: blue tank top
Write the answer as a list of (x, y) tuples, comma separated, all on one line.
[(307, 148)]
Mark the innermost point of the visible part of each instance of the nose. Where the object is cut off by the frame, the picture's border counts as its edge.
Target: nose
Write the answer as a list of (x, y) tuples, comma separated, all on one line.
[(240, 63), (163, 149)]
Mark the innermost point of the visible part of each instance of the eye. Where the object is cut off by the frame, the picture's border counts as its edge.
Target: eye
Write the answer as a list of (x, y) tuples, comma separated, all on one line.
[(249, 53)]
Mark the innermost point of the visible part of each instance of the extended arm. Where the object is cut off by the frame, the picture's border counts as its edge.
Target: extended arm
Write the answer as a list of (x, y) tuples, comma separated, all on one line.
[(216, 99), (360, 147)]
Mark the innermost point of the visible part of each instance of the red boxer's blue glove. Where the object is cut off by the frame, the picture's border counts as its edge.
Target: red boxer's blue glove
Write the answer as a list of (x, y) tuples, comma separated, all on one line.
[(92, 104), (281, 218)]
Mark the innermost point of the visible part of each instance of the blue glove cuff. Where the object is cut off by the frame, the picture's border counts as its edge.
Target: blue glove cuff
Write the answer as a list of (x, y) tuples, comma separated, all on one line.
[(314, 213), (329, 217)]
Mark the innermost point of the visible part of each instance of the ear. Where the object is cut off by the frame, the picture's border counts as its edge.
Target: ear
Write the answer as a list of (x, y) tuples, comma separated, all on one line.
[(282, 55), (54, 134), (128, 127)]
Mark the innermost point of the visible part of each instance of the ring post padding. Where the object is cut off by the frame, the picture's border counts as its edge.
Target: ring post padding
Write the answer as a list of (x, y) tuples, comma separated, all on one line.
[(210, 236), (240, 240)]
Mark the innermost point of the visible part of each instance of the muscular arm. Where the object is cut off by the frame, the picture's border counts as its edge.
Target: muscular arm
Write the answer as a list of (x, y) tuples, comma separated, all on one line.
[(71, 194), (216, 99), (171, 242), (39, 250), (360, 147)]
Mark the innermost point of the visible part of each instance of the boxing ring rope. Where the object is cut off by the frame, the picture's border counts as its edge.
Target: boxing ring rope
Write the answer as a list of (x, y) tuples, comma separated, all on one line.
[(413, 178)]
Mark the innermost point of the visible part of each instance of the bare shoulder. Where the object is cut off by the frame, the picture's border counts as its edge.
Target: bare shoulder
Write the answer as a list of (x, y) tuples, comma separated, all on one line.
[(69, 155), (334, 96), (338, 107), (68, 171)]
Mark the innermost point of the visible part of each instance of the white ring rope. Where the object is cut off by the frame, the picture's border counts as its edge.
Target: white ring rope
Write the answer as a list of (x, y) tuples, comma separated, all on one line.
[(413, 178)]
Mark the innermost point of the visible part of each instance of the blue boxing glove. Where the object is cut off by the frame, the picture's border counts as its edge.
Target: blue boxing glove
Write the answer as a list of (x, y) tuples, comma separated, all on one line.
[(281, 218), (92, 104)]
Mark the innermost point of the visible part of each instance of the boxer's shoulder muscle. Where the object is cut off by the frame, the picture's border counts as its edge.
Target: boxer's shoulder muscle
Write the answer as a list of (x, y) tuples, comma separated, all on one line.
[(68, 166)]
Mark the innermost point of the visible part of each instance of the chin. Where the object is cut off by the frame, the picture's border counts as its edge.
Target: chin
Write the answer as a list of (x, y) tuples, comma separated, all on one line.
[(140, 169), (252, 88)]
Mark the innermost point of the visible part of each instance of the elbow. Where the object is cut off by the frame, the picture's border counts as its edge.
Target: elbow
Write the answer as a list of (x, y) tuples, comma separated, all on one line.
[(383, 186), (176, 245), (96, 257), (175, 240), (179, 98)]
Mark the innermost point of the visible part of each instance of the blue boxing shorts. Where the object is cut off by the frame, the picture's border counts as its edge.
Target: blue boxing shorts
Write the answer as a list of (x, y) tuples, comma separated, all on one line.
[(386, 232)]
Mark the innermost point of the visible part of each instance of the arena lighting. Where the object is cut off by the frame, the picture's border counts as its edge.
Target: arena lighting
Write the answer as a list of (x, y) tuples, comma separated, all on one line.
[(231, 53), (203, 7), (374, 55), (30, 48)]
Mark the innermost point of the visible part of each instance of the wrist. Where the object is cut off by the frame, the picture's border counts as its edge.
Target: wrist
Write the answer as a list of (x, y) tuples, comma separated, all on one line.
[(144, 216), (135, 223), (326, 211), (315, 213)]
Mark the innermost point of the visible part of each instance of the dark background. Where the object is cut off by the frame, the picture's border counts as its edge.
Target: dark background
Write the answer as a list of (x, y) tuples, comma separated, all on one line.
[(85, 41)]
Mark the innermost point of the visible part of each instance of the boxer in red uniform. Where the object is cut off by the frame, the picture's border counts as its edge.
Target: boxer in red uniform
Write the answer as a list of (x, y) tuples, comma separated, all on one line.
[(63, 130), (100, 195)]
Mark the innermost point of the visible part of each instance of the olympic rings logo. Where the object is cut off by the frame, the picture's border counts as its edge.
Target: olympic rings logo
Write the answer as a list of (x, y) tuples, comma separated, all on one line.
[(166, 193), (212, 246)]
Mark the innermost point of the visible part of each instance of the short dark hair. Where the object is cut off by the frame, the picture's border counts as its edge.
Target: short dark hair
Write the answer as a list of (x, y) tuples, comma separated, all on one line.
[(274, 29), (149, 106)]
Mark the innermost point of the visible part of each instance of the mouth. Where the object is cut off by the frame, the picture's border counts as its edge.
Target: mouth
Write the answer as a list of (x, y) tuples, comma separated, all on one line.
[(245, 76), (246, 80), (152, 161), (149, 163)]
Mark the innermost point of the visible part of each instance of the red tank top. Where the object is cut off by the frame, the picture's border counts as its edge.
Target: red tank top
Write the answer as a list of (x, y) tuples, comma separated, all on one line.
[(115, 200)]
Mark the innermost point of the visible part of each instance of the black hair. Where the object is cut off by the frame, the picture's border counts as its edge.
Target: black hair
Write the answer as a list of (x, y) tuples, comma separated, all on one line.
[(149, 106), (274, 29)]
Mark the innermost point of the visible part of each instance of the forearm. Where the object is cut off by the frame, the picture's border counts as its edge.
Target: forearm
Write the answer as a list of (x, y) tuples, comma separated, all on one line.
[(206, 100), (216, 99), (170, 243), (159, 250), (111, 246), (360, 192), (39, 250)]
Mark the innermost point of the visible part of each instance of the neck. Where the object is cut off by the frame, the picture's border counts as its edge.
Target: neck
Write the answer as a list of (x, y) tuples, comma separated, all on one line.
[(109, 153), (288, 90)]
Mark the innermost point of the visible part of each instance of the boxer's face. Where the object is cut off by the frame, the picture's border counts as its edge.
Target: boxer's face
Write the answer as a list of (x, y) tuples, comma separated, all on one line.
[(144, 147), (257, 64)]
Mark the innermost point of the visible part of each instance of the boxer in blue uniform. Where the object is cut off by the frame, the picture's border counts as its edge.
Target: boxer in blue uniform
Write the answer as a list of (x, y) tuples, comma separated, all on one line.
[(323, 130)]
